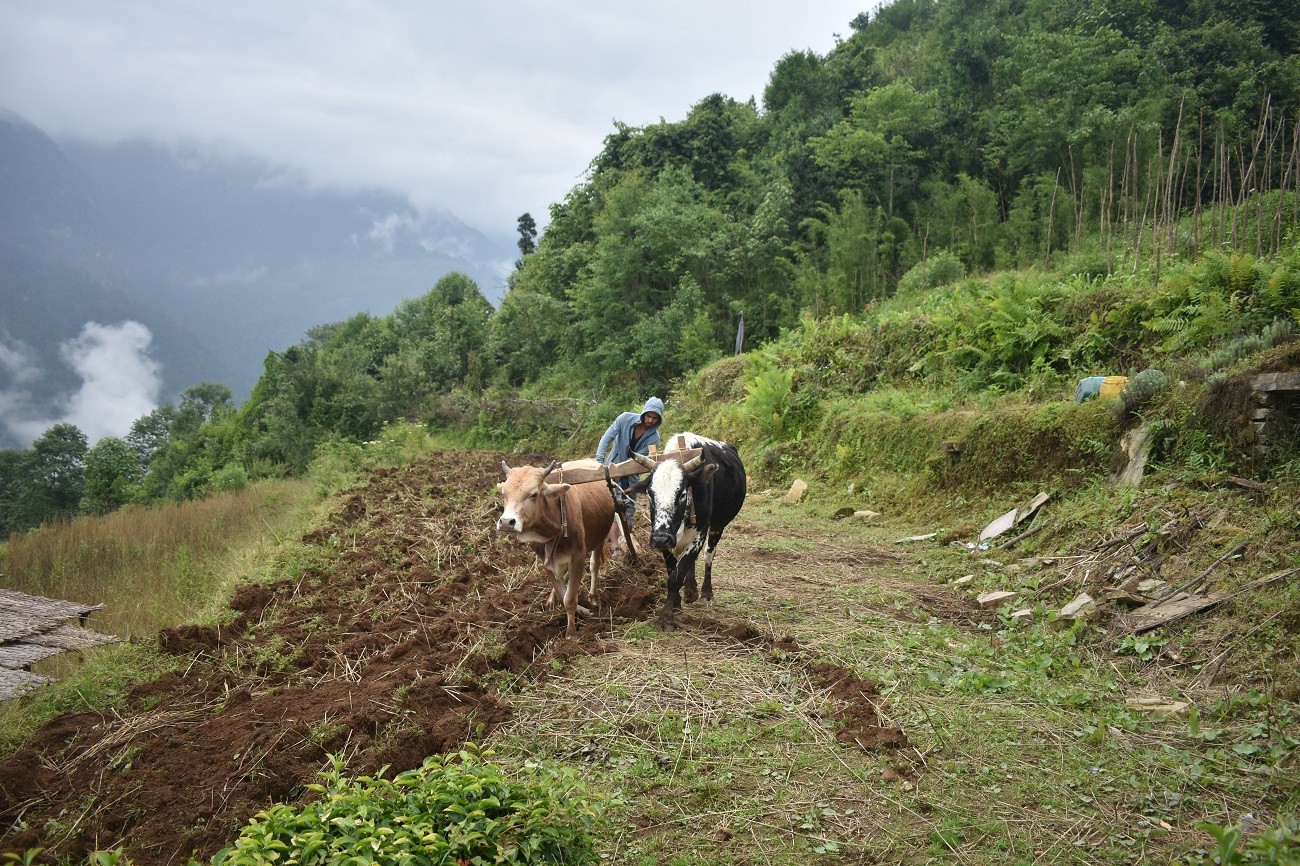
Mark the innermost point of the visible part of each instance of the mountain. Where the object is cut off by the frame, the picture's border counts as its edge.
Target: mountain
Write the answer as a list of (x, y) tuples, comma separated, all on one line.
[(224, 257)]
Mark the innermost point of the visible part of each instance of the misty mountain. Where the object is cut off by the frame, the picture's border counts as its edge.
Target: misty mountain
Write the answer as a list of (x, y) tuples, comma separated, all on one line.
[(222, 256)]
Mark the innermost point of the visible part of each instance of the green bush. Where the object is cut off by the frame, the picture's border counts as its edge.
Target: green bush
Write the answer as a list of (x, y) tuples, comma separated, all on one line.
[(232, 476), (334, 464), (457, 809), (1142, 391), (399, 443), (939, 269)]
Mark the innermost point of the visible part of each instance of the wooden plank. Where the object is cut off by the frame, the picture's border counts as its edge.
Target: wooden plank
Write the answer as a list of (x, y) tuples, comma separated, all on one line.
[(20, 603), (1155, 615), (19, 656), (581, 472), (16, 683), (17, 626), (71, 637)]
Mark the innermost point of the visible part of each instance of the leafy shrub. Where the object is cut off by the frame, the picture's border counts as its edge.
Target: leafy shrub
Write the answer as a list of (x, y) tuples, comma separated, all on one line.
[(399, 443), (334, 464), (1142, 390), (939, 269), (192, 484), (454, 809), (1279, 332), (767, 398), (232, 476)]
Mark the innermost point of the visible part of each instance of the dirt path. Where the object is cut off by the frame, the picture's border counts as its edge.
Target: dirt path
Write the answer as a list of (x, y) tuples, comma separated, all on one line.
[(389, 641)]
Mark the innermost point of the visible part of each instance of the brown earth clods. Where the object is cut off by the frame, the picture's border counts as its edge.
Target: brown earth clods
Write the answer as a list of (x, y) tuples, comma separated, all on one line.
[(405, 612)]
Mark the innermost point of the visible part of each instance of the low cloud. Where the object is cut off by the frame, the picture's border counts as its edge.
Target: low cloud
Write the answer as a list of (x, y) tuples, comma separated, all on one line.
[(119, 383), (234, 276)]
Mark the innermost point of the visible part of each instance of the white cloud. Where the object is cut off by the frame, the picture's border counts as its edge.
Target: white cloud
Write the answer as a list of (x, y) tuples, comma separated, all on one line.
[(232, 277), (487, 110), (119, 383), (17, 362)]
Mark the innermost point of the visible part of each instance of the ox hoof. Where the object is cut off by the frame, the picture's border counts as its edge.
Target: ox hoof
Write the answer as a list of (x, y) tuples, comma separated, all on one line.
[(690, 594), (665, 624)]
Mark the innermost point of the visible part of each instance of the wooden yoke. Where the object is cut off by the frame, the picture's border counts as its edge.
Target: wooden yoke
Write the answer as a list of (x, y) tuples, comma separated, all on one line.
[(582, 471)]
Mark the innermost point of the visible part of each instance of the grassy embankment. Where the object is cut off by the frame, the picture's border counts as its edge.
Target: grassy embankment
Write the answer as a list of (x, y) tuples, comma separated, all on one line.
[(151, 568), (1032, 741), (1029, 742)]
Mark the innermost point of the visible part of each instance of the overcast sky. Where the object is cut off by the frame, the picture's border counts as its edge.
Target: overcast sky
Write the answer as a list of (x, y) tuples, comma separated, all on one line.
[(485, 109)]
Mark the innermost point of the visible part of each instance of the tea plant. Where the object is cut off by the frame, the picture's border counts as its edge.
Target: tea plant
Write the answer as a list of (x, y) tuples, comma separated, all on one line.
[(453, 809)]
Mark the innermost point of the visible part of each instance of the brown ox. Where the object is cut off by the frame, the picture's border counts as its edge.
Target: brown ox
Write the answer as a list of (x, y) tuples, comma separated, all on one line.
[(566, 525)]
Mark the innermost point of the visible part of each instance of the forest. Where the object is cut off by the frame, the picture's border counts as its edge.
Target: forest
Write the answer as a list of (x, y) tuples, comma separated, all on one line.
[(972, 198)]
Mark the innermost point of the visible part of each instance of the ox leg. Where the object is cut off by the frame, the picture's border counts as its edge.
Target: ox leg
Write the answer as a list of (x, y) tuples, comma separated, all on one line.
[(571, 596), (714, 538), (594, 561), (557, 593), (686, 568), (672, 599), (690, 589)]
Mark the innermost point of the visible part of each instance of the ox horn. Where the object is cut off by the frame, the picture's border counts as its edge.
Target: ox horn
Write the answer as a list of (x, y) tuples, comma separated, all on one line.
[(644, 461), (505, 467), (550, 469), (693, 463)]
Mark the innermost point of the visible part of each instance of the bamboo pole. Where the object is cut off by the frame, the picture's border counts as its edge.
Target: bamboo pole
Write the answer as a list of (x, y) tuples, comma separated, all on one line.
[(1157, 241), (1051, 213), (1196, 206), (1170, 222)]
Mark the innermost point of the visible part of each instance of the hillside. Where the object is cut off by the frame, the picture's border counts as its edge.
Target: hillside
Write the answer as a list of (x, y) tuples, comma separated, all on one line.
[(939, 236), (845, 695)]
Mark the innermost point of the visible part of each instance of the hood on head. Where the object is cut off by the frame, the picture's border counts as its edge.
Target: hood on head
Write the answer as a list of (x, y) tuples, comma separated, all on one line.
[(655, 405)]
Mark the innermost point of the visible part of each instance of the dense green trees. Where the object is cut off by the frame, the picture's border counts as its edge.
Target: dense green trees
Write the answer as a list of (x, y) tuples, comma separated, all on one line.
[(44, 483), (939, 138)]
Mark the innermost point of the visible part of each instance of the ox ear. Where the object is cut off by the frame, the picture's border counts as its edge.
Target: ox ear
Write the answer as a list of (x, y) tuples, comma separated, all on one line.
[(554, 490), (705, 473), (500, 486)]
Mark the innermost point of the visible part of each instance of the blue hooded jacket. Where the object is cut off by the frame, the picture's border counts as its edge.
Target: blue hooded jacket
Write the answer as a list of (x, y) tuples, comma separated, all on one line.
[(617, 442)]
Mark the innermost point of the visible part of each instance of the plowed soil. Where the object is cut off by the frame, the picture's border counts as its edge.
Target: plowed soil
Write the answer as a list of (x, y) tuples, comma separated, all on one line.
[(386, 645)]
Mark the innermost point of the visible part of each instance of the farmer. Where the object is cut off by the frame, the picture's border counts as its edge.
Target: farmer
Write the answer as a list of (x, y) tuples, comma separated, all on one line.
[(630, 432)]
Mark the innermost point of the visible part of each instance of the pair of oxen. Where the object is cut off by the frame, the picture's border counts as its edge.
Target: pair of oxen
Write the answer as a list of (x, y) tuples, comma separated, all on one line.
[(691, 503)]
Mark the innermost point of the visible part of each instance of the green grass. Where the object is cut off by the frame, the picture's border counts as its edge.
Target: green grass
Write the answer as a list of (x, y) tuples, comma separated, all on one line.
[(1025, 747)]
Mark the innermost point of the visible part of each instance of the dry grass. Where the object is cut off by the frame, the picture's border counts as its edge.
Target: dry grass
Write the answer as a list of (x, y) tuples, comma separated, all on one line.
[(151, 567)]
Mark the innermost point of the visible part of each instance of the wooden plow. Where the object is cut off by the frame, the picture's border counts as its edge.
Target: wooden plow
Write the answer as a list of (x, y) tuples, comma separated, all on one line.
[(589, 470)]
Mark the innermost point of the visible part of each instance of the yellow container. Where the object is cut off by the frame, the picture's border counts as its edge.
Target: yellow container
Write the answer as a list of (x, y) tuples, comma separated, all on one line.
[(1112, 386)]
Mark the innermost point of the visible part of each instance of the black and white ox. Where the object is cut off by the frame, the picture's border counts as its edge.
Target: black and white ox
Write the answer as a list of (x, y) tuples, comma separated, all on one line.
[(690, 506)]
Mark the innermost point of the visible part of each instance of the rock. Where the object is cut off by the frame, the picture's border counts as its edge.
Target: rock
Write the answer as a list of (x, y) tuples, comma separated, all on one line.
[(1150, 585), (963, 580), (994, 599), (756, 497), (841, 513), (1026, 615), (1083, 607), (865, 515), (797, 490)]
